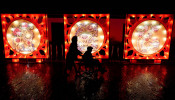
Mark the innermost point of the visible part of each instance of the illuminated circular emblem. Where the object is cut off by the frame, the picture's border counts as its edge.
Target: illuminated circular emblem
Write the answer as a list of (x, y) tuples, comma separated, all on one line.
[(149, 37), (89, 33), (23, 36)]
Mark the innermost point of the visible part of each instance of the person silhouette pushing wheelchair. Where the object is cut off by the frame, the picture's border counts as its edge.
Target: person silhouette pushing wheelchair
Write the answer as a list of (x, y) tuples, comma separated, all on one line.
[(72, 55)]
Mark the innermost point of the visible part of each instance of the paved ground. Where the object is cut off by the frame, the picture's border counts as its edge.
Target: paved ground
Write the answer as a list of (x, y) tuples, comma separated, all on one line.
[(49, 81)]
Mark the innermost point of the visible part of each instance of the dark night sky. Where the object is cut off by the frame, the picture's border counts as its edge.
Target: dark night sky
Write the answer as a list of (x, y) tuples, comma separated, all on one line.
[(112, 7)]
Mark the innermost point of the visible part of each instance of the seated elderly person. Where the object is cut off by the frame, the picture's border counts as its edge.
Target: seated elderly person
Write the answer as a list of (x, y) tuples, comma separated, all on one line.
[(89, 61)]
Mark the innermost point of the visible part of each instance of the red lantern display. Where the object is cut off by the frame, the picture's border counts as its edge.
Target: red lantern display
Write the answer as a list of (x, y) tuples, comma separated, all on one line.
[(91, 30), (25, 36), (147, 36)]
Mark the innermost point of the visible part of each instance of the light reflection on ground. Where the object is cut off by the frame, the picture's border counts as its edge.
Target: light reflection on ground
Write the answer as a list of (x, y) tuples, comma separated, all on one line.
[(142, 83), (49, 82)]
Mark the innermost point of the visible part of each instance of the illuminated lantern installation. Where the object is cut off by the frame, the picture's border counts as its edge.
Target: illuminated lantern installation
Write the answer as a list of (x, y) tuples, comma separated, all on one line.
[(148, 36), (25, 36), (91, 30)]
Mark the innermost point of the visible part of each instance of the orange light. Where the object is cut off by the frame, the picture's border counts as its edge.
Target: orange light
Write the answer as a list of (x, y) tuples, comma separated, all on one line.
[(31, 15), (24, 15), (75, 15), (169, 30), (133, 15), (83, 14), (107, 33), (128, 27), (128, 19), (107, 16), (107, 41), (167, 45), (171, 22), (100, 56), (4, 15), (17, 15), (100, 15), (3, 29), (167, 53), (38, 60), (126, 35), (108, 23), (106, 46), (15, 60), (45, 51), (92, 15), (3, 22), (141, 15), (165, 56), (169, 37), (151, 15)]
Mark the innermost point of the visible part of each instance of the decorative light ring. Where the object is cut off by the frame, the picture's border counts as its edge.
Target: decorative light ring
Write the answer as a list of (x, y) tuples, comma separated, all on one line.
[(89, 33), (152, 37), (23, 36)]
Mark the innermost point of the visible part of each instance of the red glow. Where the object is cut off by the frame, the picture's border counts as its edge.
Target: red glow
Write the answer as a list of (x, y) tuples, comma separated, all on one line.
[(15, 60), (152, 77), (30, 77), (92, 17), (39, 60), (41, 27), (130, 28)]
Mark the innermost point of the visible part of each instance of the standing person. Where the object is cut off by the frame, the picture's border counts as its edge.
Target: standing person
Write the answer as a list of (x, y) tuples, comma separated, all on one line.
[(72, 54)]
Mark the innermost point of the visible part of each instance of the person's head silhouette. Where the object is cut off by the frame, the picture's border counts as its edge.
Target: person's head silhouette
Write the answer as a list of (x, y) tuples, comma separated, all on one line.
[(74, 39), (89, 48)]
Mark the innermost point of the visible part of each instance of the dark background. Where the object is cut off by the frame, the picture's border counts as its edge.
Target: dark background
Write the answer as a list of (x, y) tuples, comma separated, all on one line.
[(117, 11)]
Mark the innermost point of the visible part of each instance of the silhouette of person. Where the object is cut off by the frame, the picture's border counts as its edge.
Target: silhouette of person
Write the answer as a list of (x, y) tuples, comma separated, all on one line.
[(89, 61), (72, 54)]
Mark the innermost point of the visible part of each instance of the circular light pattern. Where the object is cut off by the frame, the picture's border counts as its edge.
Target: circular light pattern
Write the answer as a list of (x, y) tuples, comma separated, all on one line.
[(149, 37), (23, 36), (89, 33)]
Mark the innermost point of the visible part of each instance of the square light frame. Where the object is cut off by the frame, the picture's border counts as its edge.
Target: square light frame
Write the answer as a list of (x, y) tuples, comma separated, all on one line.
[(6, 19), (134, 19), (94, 17)]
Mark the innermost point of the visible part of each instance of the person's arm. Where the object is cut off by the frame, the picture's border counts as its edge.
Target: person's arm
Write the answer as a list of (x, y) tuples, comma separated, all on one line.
[(79, 52), (92, 56)]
